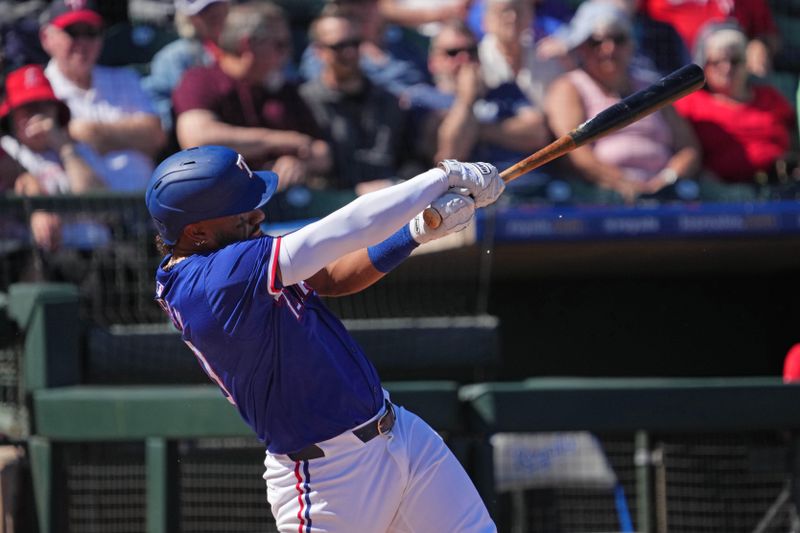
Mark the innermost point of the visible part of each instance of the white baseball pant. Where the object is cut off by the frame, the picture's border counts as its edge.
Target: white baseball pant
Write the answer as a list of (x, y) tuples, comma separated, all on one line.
[(402, 482)]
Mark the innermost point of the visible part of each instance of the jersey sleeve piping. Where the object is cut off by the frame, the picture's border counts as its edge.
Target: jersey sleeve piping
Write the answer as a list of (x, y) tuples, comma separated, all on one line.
[(272, 281)]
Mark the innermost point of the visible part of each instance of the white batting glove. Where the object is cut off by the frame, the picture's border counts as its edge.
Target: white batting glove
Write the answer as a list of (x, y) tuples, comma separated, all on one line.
[(456, 210), (480, 179)]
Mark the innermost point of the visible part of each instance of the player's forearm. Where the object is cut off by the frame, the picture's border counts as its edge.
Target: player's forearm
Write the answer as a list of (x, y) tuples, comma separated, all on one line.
[(367, 220), (357, 271), (349, 274)]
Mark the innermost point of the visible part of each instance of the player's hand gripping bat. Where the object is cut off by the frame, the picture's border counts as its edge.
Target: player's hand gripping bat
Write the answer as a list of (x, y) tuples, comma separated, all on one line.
[(676, 85)]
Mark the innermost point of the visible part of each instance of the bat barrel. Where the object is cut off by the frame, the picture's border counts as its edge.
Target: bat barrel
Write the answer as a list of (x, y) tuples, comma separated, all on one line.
[(665, 91)]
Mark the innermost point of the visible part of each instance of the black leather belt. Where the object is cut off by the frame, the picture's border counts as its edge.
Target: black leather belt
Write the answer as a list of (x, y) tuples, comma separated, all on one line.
[(365, 433)]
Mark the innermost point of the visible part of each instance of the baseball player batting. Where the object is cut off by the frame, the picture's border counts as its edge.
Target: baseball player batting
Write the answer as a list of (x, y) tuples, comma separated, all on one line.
[(340, 457)]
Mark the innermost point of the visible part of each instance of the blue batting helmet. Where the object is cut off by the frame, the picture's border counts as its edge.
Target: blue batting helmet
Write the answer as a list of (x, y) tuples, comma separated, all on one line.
[(202, 183)]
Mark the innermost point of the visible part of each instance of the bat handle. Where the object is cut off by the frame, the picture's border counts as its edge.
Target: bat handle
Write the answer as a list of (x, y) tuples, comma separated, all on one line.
[(557, 148), (432, 217)]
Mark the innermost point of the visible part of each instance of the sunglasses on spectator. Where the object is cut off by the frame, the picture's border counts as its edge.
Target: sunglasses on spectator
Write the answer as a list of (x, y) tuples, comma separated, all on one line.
[(453, 52), (87, 32), (342, 45), (619, 39), (734, 61)]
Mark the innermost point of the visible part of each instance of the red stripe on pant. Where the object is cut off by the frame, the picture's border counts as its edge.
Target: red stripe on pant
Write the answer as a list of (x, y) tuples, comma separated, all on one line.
[(303, 490)]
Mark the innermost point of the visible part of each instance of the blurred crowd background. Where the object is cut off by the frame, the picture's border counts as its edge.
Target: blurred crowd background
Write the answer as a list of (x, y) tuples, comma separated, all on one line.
[(342, 97), (357, 94)]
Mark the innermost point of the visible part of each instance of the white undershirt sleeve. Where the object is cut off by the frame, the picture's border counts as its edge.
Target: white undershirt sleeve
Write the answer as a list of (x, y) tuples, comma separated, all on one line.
[(365, 221)]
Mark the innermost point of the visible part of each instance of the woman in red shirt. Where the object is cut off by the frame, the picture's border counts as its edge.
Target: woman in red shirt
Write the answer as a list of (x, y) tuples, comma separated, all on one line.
[(743, 128), (754, 17)]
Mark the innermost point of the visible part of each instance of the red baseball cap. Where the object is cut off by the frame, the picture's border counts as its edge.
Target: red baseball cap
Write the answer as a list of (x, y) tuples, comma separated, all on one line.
[(65, 13), (26, 85)]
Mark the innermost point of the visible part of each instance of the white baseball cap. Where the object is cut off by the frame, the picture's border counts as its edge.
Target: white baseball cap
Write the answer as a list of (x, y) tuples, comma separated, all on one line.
[(193, 7), (591, 16)]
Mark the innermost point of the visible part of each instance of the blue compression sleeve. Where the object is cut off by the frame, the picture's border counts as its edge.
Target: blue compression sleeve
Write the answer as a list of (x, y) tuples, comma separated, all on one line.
[(387, 255)]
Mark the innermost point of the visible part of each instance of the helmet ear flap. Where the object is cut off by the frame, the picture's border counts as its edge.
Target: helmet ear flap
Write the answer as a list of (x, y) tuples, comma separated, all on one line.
[(163, 231)]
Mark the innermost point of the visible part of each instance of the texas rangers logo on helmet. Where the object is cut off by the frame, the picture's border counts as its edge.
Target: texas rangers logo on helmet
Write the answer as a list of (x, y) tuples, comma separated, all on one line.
[(241, 164)]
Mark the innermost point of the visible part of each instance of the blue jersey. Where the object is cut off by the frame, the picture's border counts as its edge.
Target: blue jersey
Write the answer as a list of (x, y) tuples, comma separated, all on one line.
[(279, 355)]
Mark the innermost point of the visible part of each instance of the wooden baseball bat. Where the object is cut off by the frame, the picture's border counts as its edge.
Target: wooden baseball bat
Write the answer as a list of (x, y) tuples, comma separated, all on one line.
[(675, 85)]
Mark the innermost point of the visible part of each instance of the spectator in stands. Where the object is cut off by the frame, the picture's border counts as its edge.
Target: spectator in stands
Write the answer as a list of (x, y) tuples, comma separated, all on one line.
[(244, 102), (110, 112), (199, 24), (386, 58), (370, 135), (507, 51), (658, 47), (45, 228), (14, 233), (33, 124), (462, 118), (753, 16), (743, 128), (640, 159)]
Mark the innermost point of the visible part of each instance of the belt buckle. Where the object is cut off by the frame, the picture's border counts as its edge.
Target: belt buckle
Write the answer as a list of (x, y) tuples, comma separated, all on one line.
[(386, 418)]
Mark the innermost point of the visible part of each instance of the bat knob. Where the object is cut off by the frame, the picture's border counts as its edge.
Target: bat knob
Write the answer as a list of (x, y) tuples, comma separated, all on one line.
[(431, 217)]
